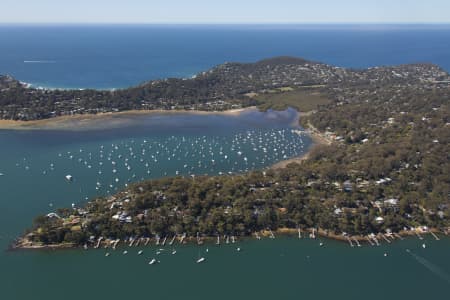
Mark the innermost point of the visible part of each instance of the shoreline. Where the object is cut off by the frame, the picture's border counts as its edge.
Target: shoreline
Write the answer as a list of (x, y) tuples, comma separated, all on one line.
[(317, 140), (86, 120), (354, 240)]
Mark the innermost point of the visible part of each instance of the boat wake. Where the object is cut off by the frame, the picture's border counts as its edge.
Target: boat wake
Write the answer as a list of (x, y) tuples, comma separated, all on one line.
[(39, 61), (430, 266)]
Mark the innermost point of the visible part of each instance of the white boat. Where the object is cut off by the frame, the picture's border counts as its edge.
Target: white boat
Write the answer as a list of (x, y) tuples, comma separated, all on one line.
[(140, 252), (174, 252), (107, 254), (125, 252), (201, 259), (238, 249), (69, 177), (153, 261), (1, 174), (424, 246)]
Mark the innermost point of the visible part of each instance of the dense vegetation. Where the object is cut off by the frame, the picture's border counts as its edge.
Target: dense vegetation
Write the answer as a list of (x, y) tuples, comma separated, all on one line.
[(388, 168), (226, 86)]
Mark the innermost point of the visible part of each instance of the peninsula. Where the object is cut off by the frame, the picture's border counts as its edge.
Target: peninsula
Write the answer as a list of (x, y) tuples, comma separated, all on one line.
[(384, 170)]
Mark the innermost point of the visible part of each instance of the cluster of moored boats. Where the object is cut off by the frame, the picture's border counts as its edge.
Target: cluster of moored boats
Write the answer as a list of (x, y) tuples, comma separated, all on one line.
[(117, 164)]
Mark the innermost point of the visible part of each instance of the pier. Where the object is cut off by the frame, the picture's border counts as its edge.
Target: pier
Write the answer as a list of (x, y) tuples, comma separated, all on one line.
[(370, 242), (312, 235), (399, 236), (98, 242), (374, 238), (435, 236), (172, 240), (182, 238), (418, 235), (350, 242), (357, 242), (115, 243), (199, 240), (385, 238)]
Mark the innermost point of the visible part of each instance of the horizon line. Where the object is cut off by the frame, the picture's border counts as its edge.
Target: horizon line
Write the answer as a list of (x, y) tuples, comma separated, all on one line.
[(224, 23)]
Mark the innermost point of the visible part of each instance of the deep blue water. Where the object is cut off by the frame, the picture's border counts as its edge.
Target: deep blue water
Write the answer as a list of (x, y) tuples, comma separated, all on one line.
[(120, 56), (34, 164)]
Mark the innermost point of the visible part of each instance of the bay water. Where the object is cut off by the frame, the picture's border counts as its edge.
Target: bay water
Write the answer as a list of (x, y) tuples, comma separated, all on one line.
[(34, 165)]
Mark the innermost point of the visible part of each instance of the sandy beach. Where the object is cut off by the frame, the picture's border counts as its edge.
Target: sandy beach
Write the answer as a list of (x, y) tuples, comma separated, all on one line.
[(106, 120), (318, 140)]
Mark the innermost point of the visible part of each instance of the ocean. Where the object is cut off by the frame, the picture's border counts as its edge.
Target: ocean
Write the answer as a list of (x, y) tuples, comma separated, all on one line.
[(107, 57), (34, 165)]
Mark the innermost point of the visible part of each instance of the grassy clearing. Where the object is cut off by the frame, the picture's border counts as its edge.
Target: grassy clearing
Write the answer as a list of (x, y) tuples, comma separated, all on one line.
[(303, 100)]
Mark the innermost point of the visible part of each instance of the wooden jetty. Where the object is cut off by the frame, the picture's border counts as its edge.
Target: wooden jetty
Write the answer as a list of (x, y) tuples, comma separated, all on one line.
[(172, 240), (385, 238), (182, 238), (357, 242), (98, 242), (350, 242), (376, 241), (398, 236), (312, 235), (115, 243), (418, 235), (435, 236), (370, 241), (272, 236)]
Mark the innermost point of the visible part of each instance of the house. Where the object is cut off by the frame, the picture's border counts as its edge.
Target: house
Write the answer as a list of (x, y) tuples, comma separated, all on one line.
[(379, 220)]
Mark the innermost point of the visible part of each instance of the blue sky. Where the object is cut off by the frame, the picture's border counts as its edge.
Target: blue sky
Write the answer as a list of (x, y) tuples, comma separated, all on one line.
[(224, 11)]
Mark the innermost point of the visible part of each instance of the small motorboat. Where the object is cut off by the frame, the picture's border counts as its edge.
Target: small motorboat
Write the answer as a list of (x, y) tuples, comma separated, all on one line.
[(201, 259)]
